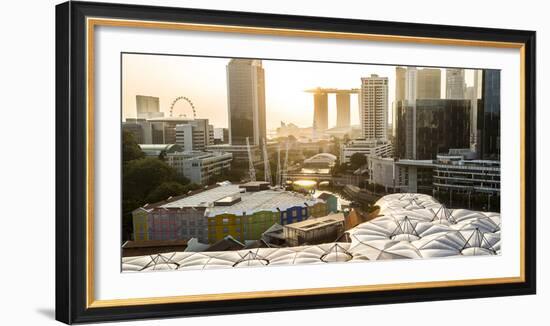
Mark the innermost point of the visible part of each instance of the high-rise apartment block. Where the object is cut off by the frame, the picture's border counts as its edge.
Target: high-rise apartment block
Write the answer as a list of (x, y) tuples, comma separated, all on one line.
[(374, 107)]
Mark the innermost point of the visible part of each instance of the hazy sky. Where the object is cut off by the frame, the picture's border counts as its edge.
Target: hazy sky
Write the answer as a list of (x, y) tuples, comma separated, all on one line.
[(203, 80)]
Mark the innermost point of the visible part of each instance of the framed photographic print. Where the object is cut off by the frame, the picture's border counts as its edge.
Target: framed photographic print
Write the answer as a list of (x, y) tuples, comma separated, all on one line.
[(213, 162)]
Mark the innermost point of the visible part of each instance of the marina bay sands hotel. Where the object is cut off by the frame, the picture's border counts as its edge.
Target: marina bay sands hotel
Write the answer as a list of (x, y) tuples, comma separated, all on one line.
[(320, 106)]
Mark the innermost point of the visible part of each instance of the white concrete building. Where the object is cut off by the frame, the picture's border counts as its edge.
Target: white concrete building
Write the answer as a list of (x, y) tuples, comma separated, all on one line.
[(199, 166), (194, 134), (401, 175), (366, 147)]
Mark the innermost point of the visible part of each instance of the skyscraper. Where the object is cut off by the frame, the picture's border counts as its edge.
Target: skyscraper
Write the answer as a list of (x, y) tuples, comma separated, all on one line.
[(320, 110), (428, 84), (472, 93), (455, 84), (412, 84), (147, 107), (432, 126), (246, 101), (374, 107), (488, 116), (400, 85), (342, 109)]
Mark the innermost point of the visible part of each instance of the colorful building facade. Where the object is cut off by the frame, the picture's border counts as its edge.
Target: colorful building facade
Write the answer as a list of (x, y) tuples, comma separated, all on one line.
[(224, 210)]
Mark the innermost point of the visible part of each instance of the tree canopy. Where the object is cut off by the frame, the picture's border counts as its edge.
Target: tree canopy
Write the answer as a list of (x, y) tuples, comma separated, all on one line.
[(357, 160), (169, 189), (146, 180), (130, 148)]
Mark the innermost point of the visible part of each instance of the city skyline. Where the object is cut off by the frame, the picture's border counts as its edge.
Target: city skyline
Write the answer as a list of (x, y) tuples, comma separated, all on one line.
[(189, 183), (285, 84)]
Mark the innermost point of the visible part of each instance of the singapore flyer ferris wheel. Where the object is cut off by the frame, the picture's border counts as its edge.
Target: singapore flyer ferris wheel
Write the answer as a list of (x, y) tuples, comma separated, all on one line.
[(185, 99)]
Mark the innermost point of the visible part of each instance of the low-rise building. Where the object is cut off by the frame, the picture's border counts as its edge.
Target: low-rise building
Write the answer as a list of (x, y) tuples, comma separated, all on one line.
[(392, 175), (240, 152), (198, 166), (366, 147), (468, 183), (226, 209), (331, 200), (454, 178), (315, 230)]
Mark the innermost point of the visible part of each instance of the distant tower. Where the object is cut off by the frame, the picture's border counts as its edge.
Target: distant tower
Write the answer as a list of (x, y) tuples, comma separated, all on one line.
[(342, 109), (455, 84), (374, 107), (246, 101), (428, 84), (320, 110), (400, 84), (147, 107)]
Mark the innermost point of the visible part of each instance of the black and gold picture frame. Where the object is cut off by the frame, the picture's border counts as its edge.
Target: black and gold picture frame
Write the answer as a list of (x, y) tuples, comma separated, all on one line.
[(212, 162)]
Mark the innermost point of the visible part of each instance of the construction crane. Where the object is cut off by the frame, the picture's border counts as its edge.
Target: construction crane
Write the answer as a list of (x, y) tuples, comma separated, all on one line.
[(267, 168), (285, 165), (251, 170), (278, 176)]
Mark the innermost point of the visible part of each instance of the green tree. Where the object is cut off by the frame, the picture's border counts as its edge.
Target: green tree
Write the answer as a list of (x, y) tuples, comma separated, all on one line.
[(130, 148), (357, 160), (141, 176), (148, 180), (167, 189)]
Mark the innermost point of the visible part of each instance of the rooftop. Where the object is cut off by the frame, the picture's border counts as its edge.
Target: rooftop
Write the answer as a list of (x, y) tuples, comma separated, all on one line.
[(265, 200), (232, 199), (156, 149), (204, 198), (411, 226), (199, 155), (318, 222)]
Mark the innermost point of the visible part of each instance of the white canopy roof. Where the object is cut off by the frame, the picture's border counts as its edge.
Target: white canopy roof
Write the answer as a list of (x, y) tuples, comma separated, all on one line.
[(410, 226)]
